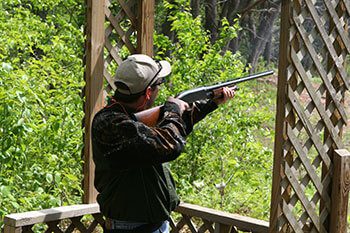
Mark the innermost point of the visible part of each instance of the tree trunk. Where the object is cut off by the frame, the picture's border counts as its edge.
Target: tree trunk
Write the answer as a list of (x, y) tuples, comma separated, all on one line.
[(166, 29), (264, 30), (229, 9), (195, 8), (234, 44), (267, 51), (210, 19)]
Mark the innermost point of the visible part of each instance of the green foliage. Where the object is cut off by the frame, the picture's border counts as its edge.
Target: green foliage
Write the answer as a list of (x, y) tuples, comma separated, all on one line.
[(41, 76), (227, 147), (194, 61)]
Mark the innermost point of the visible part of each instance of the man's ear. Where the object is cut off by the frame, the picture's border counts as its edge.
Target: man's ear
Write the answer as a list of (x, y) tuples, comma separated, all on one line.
[(148, 93)]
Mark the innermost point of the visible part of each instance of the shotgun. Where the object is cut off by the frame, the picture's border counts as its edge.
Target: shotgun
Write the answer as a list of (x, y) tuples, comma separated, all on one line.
[(150, 116)]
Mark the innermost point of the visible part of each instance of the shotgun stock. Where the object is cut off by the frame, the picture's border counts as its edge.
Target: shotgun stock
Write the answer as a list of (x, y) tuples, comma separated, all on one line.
[(150, 116)]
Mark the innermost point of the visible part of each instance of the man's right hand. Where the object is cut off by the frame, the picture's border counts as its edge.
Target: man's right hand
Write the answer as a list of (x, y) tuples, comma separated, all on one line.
[(182, 104)]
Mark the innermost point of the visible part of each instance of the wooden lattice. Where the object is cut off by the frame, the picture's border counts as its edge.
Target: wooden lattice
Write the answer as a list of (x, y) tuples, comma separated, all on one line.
[(75, 224), (314, 46), (120, 35)]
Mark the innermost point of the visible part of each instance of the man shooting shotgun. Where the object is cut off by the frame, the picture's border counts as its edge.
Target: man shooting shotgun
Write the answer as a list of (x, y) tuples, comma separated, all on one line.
[(136, 190), (150, 116)]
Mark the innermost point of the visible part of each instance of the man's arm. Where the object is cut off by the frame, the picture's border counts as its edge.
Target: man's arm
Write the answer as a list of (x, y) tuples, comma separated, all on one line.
[(128, 143)]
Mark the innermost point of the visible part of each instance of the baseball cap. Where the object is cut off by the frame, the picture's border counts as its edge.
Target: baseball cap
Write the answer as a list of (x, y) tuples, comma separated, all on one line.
[(139, 71)]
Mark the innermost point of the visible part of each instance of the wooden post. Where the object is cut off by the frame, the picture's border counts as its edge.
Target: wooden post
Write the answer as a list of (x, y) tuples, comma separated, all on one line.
[(11, 229), (340, 191), (95, 35), (145, 27), (275, 209)]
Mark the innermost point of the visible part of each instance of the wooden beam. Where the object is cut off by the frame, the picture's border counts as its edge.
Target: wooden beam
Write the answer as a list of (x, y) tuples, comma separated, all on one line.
[(145, 27), (10, 229), (93, 87), (48, 215), (280, 125), (340, 191)]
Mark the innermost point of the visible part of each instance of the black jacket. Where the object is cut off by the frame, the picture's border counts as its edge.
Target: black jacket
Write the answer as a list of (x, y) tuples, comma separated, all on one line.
[(131, 174)]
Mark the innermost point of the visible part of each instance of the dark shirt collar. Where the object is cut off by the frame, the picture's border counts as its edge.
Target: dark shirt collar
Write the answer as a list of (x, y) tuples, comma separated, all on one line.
[(113, 104)]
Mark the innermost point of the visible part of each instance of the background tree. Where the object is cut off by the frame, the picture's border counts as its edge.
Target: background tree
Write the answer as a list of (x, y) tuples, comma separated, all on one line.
[(257, 19)]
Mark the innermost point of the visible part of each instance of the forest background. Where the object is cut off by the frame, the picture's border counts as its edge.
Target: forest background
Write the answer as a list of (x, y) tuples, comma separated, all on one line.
[(227, 163)]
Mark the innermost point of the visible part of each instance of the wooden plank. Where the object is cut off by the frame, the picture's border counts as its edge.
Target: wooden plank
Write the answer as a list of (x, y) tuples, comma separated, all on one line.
[(172, 225), (78, 224), (241, 222), (189, 223), (334, 117), (295, 225), (128, 12), (53, 227), (321, 111), (222, 228), (309, 169), (120, 15), (122, 34), (338, 25), (308, 127), (48, 215), (328, 43), (321, 70), (308, 207), (347, 6), (145, 27), (179, 225), (113, 52), (317, 101), (11, 229), (92, 227), (207, 225), (99, 218), (340, 191), (275, 208), (93, 87)]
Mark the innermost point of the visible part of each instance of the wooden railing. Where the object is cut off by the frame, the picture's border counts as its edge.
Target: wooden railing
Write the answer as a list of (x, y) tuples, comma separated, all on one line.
[(87, 218)]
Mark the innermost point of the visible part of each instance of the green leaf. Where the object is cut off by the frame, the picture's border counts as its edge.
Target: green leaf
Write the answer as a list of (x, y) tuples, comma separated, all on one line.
[(49, 177), (5, 191)]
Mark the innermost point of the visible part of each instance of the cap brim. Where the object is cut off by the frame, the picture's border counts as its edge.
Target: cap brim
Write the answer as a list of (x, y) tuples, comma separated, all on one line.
[(166, 69)]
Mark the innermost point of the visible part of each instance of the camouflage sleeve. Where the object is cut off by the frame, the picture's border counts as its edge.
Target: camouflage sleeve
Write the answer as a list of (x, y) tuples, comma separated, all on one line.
[(131, 143), (198, 110)]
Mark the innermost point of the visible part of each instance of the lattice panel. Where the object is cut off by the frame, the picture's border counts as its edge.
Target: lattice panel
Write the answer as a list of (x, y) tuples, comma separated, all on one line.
[(120, 35), (192, 224), (313, 81), (75, 224)]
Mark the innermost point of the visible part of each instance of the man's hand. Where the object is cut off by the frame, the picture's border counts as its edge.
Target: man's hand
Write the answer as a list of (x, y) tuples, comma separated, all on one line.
[(224, 94), (182, 104)]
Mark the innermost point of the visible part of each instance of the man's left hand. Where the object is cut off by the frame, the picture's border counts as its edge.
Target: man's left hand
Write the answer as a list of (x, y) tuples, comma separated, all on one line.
[(226, 93)]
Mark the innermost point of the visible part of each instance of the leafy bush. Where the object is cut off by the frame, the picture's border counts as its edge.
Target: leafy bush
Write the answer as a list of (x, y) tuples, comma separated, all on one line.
[(225, 164), (41, 76)]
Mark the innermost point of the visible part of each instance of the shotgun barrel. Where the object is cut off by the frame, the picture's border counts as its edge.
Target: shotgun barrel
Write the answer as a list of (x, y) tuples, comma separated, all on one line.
[(206, 92)]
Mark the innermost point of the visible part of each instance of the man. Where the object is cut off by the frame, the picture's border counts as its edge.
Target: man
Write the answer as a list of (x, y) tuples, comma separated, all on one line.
[(136, 190)]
